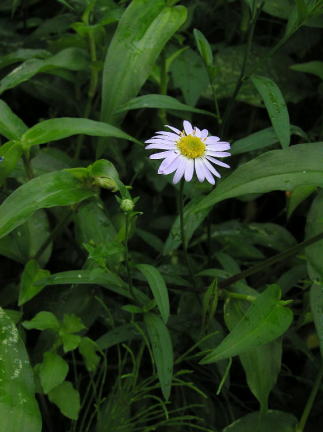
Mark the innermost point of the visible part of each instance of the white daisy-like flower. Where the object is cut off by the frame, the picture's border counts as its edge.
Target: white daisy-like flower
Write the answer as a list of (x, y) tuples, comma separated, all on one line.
[(187, 151)]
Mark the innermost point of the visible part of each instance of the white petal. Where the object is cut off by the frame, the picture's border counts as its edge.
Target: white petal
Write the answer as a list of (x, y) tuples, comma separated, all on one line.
[(180, 170), (173, 129), (217, 154), (204, 133), (169, 165), (161, 146), (217, 162), (197, 132), (168, 135), (161, 155), (218, 146), (189, 169), (160, 140), (187, 127), (211, 168), (199, 168), (209, 177), (212, 139)]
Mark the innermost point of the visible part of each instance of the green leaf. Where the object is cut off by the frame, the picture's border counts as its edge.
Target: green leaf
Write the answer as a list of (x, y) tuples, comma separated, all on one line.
[(204, 47), (260, 139), (124, 333), (144, 29), (316, 302), (11, 126), (18, 407), (52, 371), (59, 128), (73, 59), (261, 364), (314, 225), (67, 399), (266, 320), (72, 323), (42, 321), (276, 107), (70, 342), (24, 242), (158, 288), (274, 170), (30, 275), (58, 188), (10, 152), (269, 422), (88, 349), (314, 67), (297, 196), (160, 101), (162, 350)]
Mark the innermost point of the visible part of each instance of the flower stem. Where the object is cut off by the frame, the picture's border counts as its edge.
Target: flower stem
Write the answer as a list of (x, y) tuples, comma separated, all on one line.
[(310, 400), (182, 229)]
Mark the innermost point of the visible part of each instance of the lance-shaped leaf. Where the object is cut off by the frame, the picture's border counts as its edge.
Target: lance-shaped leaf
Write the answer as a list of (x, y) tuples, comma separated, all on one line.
[(276, 107), (142, 33), (11, 126), (314, 225), (266, 320)]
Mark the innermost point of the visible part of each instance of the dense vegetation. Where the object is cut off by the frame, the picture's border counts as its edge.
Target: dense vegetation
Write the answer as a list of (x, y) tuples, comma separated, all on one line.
[(133, 303)]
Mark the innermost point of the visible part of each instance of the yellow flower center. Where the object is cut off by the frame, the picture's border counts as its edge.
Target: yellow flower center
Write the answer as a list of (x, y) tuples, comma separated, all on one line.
[(191, 146)]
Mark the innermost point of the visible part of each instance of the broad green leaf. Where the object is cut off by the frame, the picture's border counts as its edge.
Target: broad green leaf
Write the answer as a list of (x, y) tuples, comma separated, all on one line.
[(297, 196), (158, 288), (52, 371), (18, 407), (144, 29), (10, 152), (261, 364), (258, 422), (88, 349), (274, 170), (266, 320), (160, 101), (117, 335), (67, 399), (24, 242), (190, 76), (162, 350), (70, 58), (21, 55), (276, 107), (42, 321), (260, 139), (58, 188), (70, 341), (204, 47), (314, 226), (59, 128), (316, 302), (97, 276), (11, 126), (30, 275), (314, 67)]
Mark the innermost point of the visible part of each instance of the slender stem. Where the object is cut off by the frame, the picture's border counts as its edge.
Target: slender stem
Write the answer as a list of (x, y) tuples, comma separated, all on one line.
[(310, 400), (163, 86), (182, 229), (28, 167), (129, 275), (272, 260)]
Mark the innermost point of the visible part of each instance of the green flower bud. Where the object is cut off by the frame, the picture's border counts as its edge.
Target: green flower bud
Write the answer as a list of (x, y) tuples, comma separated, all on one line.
[(127, 205)]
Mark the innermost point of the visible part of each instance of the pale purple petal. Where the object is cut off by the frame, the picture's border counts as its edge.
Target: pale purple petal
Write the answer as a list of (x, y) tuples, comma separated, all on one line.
[(161, 155), (217, 162), (199, 168), (218, 146), (173, 129), (217, 154), (204, 133), (169, 165), (160, 140), (161, 146), (208, 175), (211, 168), (187, 127), (197, 132), (180, 170), (212, 139), (189, 169)]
